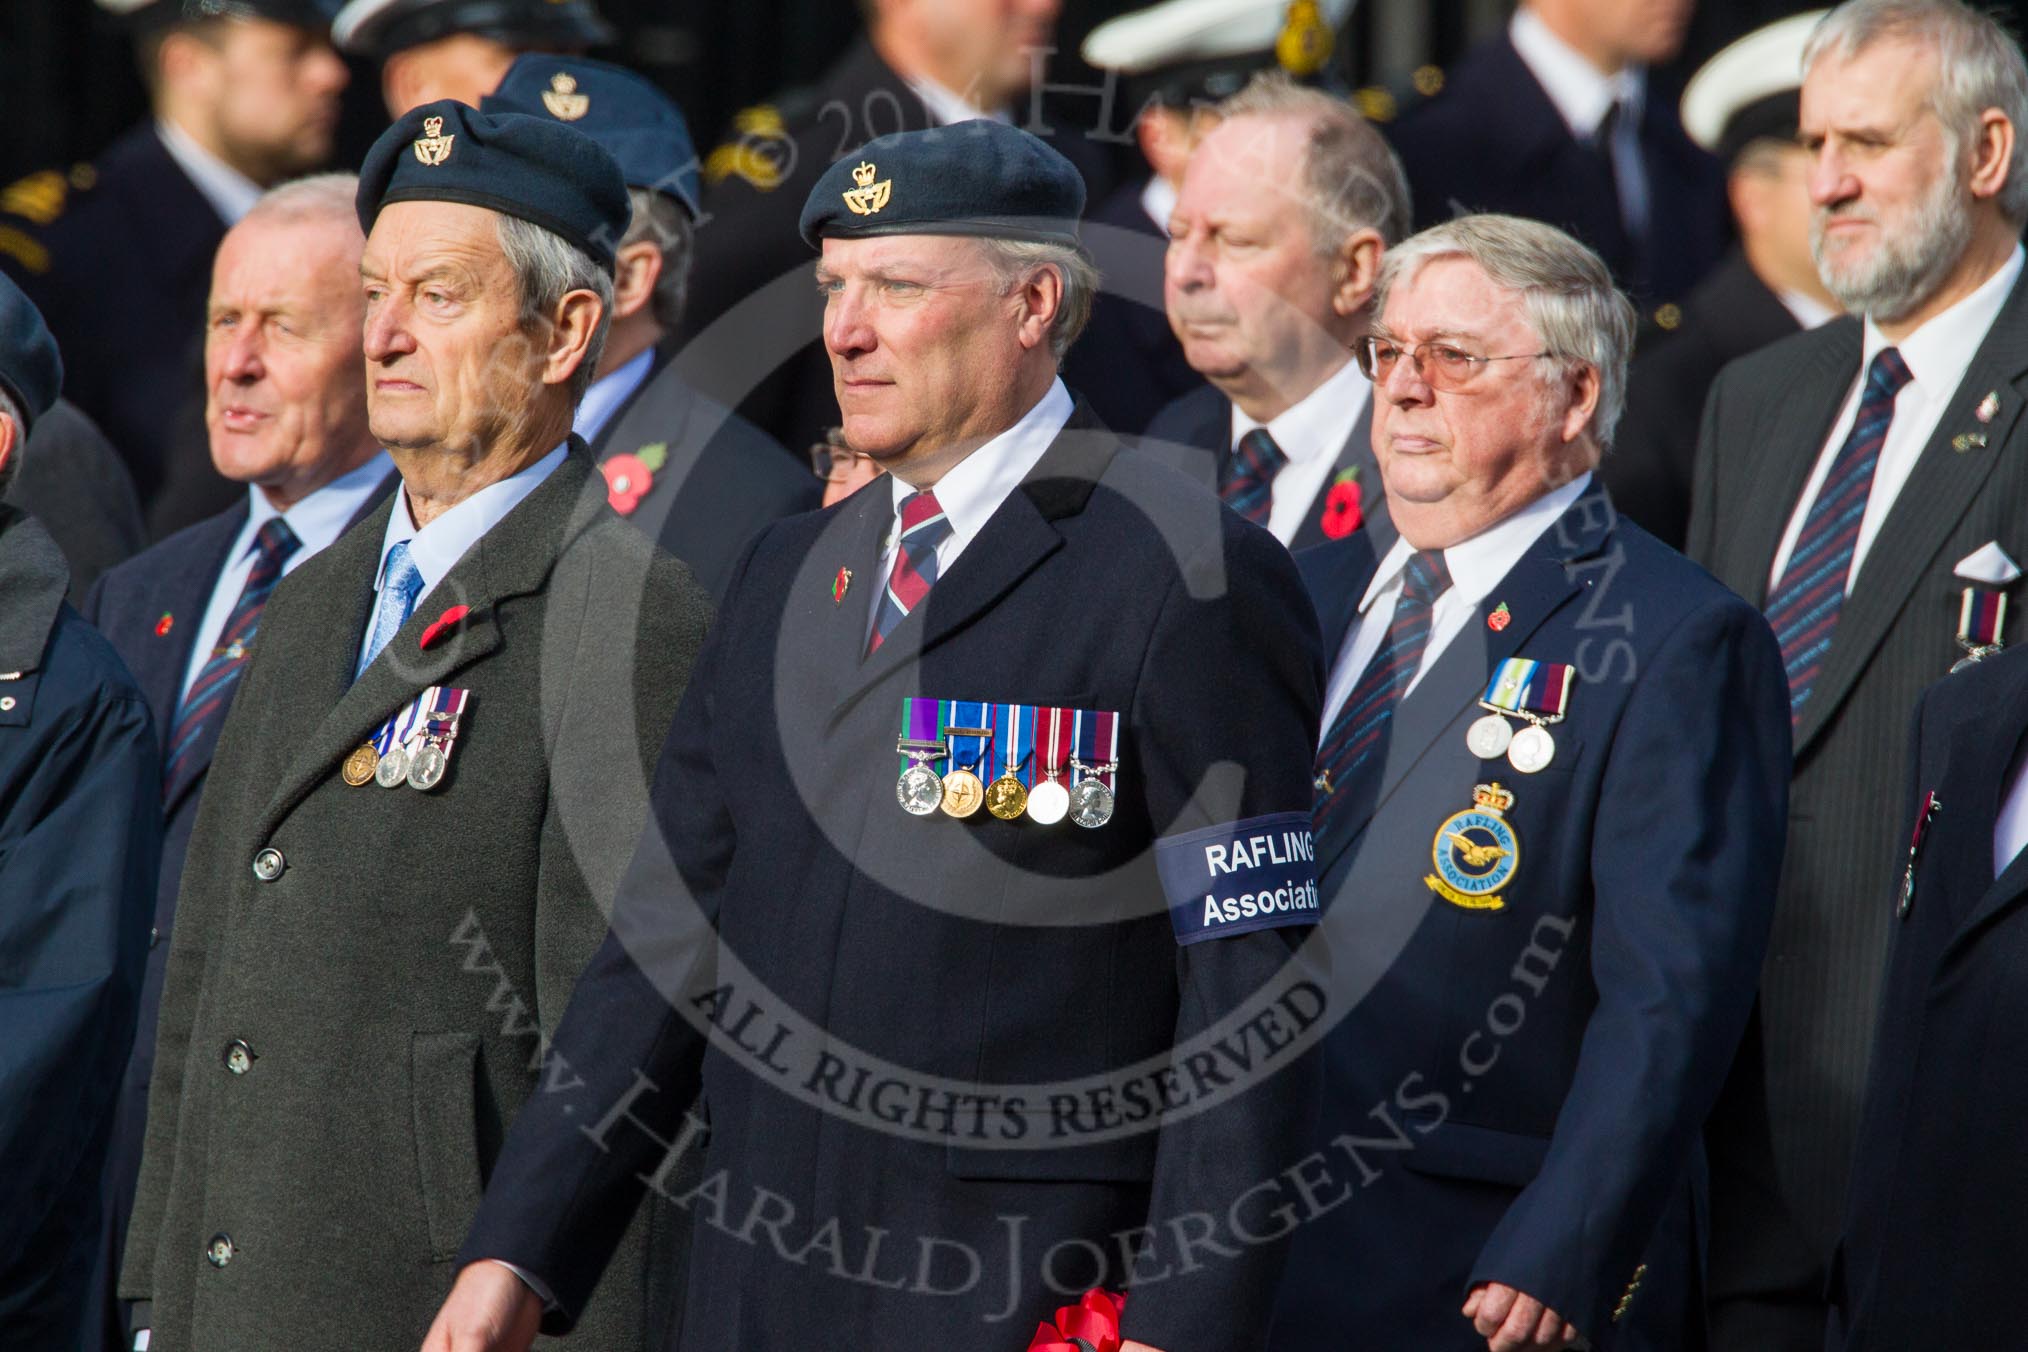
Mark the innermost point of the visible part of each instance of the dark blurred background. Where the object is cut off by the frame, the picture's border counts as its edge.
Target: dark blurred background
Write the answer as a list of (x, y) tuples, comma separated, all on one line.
[(68, 86)]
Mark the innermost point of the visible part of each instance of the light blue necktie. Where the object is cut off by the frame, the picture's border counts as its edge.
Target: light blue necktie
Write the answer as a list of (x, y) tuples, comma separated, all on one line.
[(399, 589)]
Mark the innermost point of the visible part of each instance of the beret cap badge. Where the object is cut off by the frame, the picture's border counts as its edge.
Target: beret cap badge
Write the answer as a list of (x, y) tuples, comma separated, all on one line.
[(869, 197), (562, 99), (433, 147)]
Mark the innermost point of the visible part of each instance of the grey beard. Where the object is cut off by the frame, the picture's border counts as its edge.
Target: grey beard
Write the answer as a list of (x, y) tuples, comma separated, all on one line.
[(1908, 268)]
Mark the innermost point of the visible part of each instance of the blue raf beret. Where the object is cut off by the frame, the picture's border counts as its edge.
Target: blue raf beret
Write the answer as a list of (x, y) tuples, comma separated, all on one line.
[(537, 170), (970, 178), (30, 369), (639, 125)]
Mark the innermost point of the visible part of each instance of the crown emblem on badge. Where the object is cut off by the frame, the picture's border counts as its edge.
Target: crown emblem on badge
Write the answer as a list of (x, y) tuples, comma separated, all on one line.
[(433, 147), (869, 197), (1493, 797), (563, 100)]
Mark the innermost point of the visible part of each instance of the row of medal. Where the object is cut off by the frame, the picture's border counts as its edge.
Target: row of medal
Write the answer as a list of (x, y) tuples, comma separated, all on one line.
[(1051, 763), (413, 746), (1537, 693)]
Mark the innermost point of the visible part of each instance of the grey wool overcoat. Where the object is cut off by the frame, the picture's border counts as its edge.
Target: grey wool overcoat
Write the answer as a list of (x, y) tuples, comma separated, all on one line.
[(362, 977)]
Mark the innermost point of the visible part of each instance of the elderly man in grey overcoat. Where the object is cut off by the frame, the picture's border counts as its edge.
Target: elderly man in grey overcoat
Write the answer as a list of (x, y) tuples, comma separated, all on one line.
[(432, 773)]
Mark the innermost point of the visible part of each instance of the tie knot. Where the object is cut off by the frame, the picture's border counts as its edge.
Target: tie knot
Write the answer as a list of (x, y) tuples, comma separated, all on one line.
[(274, 541), (401, 576), (922, 516), (1887, 374), (1259, 451), (1426, 576)]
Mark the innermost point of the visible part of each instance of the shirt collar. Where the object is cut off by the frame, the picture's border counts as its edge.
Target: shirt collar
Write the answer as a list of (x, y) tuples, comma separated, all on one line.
[(1807, 309), (1477, 565), (1577, 88), (1938, 352), (1319, 423), (435, 548), (321, 517), (973, 489), (608, 392), (946, 105), (231, 193), (1158, 200)]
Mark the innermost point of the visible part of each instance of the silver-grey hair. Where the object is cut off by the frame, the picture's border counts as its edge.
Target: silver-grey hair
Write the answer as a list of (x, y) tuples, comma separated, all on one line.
[(312, 197), (549, 267), (1015, 260), (1578, 315), (11, 411), (664, 222), (1352, 179), (1979, 66)]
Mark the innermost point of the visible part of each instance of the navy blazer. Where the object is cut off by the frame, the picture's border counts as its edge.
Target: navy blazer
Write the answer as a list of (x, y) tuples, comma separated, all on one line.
[(1194, 434), (1934, 1243), (1008, 957), (1516, 1094), (1493, 141)]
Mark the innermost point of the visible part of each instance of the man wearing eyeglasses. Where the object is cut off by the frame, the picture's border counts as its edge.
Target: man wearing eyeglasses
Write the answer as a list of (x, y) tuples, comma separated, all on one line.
[(1549, 816)]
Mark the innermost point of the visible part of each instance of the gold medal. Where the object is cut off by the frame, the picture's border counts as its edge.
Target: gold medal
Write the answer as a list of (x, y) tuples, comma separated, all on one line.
[(963, 793), (360, 765), (1006, 798)]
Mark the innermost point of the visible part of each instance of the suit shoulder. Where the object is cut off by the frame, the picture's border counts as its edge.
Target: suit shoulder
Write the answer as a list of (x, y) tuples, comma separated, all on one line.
[(1668, 581), (174, 556), (1180, 418), (81, 669), (1769, 368), (1973, 693)]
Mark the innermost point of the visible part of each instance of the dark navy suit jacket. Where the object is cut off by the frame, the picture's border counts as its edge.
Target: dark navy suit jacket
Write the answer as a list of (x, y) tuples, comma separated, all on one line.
[(779, 870), (1934, 1243), (1516, 1094), (1194, 434), (1493, 141), (1127, 364)]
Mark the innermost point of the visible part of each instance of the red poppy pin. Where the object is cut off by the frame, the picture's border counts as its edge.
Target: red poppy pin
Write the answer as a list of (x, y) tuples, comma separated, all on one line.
[(1343, 511), (629, 477), (839, 584), (1094, 1324), (1500, 618), (164, 625), (442, 625)]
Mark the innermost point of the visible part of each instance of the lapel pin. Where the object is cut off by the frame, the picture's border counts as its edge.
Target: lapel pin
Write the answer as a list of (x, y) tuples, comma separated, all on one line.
[(164, 625), (1500, 618), (443, 625), (1988, 406), (840, 584), (1967, 441)]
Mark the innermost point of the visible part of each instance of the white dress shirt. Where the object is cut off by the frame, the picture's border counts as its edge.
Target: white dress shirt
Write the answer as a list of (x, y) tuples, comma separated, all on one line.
[(1311, 432), (1476, 567), (2010, 830), (1808, 310), (973, 489), (1158, 202), (231, 193), (946, 105), (317, 520), (437, 547), (1937, 355), (609, 392), (1582, 95)]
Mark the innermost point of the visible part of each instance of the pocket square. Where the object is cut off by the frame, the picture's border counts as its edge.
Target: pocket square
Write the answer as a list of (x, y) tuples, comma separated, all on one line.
[(1988, 564)]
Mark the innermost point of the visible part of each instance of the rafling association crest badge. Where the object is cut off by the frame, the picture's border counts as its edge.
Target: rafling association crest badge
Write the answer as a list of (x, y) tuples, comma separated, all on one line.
[(565, 104), (869, 197), (1476, 852), (433, 147)]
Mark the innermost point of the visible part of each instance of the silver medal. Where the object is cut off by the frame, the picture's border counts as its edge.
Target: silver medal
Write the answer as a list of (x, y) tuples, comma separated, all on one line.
[(427, 769), (1091, 802), (920, 790), (392, 772), (1532, 749), (1048, 802), (1489, 737)]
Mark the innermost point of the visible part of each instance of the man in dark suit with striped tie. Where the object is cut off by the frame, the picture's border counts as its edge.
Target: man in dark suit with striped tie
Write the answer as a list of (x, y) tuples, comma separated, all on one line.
[(1856, 482), (286, 412), (1268, 287), (1548, 814)]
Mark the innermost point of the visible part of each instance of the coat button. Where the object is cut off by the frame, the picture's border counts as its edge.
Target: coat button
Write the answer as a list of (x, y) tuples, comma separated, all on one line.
[(219, 1251), (6, 703), (239, 1057), (268, 864)]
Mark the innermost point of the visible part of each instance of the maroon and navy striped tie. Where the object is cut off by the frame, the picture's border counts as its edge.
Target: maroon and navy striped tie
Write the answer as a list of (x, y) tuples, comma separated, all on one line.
[(1358, 729), (923, 528), (205, 703), (1803, 608), (1246, 481)]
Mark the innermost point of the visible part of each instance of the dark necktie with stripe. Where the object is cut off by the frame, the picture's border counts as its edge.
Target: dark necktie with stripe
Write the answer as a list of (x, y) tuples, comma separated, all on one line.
[(1803, 608), (198, 716), (1361, 725), (923, 528), (1247, 478)]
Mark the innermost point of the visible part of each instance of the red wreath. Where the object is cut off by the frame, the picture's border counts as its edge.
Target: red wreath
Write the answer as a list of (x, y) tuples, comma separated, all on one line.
[(1342, 508), (1091, 1325)]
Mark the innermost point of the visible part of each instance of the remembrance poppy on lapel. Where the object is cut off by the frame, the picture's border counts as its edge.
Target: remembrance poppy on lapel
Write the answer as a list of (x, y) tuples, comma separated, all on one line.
[(1091, 1325), (164, 625), (1343, 510), (629, 477), (443, 625)]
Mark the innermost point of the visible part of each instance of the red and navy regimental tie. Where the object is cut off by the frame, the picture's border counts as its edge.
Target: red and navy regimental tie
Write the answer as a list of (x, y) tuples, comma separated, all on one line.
[(1246, 480), (274, 542), (1803, 608), (923, 528), (1357, 730)]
